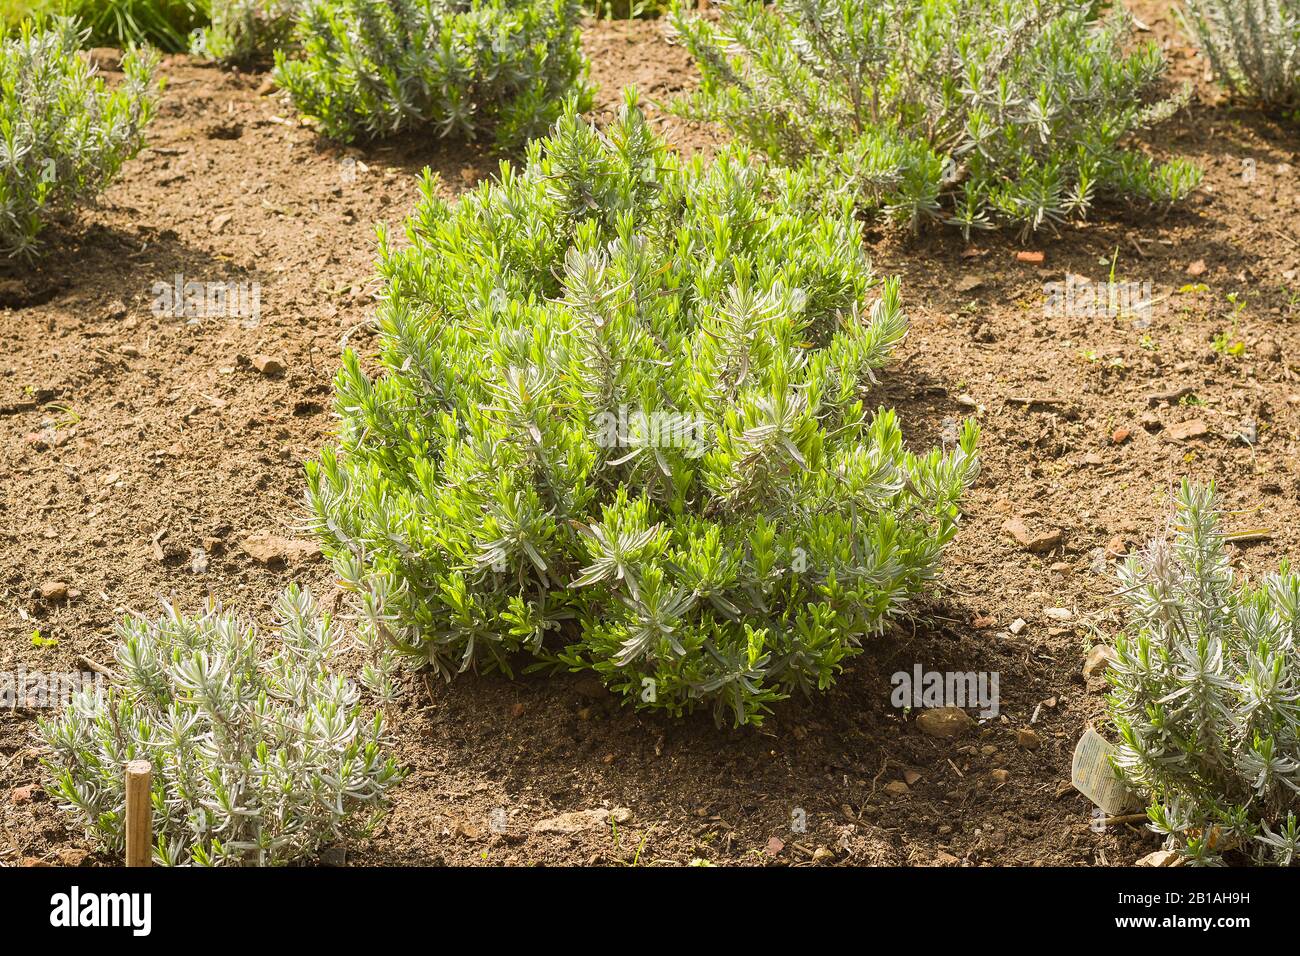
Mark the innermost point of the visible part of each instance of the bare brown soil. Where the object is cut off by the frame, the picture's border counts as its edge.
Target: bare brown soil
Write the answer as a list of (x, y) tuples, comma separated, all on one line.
[(133, 445)]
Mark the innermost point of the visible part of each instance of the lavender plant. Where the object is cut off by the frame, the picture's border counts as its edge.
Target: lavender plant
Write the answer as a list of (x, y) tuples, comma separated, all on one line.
[(1206, 693), (970, 112), (247, 32), (1253, 46), (63, 134), (163, 24), (456, 66), (261, 751), (622, 425)]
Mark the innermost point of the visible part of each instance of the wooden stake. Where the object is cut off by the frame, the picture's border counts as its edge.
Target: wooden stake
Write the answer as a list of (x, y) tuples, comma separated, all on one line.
[(139, 813)]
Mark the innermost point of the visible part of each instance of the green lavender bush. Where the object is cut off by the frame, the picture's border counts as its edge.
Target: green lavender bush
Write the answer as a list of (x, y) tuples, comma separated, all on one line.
[(261, 751), (63, 134), (247, 32), (1253, 46), (621, 424), (1206, 693), (13, 13), (165, 24), (458, 67), (971, 112), (625, 9)]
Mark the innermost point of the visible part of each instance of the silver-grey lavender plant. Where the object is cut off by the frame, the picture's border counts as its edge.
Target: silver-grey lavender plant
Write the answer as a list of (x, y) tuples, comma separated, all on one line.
[(247, 31), (63, 134), (1206, 693), (262, 753), (1253, 46), (363, 69), (974, 113)]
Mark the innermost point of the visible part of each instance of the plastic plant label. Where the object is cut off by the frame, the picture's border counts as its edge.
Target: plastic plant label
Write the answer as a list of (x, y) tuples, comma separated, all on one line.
[(1093, 776)]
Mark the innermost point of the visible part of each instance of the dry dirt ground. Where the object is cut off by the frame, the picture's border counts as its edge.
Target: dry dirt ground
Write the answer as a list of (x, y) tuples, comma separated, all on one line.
[(140, 453)]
